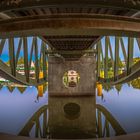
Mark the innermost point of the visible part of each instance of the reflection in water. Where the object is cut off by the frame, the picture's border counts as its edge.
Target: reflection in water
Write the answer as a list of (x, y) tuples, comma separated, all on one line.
[(100, 91), (109, 123), (123, 106), (135, 84), (72, 118), (40, 129), (17, 107), (72, 111), (41, 90)]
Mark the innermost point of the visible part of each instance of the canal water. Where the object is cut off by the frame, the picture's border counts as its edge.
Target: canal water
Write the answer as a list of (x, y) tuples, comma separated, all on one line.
[(24, 111)]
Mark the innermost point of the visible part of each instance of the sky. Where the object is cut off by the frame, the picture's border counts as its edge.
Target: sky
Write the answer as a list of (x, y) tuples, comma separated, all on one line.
[(125, 40), (123, 106), (5, 53), (16, 108)]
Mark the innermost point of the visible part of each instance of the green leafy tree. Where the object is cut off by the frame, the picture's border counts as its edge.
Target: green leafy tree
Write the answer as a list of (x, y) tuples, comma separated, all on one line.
[(118, 88), (136, 83), (21, 60)]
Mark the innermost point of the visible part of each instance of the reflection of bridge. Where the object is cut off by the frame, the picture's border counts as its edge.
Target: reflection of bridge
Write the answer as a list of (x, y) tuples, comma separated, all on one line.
[(40, 127), (109, 119), (69, 30)]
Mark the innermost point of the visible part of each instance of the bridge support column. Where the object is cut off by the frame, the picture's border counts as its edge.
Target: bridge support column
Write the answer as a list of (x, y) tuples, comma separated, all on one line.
[(58, 67)]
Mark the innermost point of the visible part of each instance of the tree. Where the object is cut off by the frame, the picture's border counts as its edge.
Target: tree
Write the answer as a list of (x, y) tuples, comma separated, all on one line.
[(136, 83), (20, 60), (118, 87)]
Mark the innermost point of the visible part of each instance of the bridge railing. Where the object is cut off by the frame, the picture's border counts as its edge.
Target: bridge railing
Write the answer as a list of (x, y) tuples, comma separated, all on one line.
[(27, 60), (116, 59)]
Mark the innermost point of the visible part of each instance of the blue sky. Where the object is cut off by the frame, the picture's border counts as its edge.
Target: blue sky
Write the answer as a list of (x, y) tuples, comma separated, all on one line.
[(125, 40), (16, 108), (123, 106), (5, 53)]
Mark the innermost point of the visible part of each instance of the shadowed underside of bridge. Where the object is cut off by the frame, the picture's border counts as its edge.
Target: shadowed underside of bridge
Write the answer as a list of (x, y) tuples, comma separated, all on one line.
[(70, 28)]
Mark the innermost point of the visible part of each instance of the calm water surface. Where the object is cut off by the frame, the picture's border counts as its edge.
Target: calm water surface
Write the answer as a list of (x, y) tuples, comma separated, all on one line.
[(18, 106), (124, 106)]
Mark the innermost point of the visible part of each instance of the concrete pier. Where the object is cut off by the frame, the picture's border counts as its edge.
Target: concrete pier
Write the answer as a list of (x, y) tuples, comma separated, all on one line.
[(85, 67)]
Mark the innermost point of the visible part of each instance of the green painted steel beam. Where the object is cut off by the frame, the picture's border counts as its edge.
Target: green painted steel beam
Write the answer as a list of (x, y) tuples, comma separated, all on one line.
[(36, 61), (116, 63), (130, 54), (106, 59), (45, 123), (107, 128), (25, 52), (111, 52), (102, 56), (44, 61), (2, 43), (31, 52), (12, 56), (99, 115), (37, 127), (18, 50), (98, 59), (40, 58)]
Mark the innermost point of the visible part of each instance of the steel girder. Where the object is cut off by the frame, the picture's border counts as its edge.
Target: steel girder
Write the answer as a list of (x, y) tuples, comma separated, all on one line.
[(70, 25), (130, 71)]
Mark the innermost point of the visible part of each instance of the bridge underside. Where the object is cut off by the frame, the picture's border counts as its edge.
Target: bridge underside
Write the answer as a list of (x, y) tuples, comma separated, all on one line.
[(70, 28), (71, 47)]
